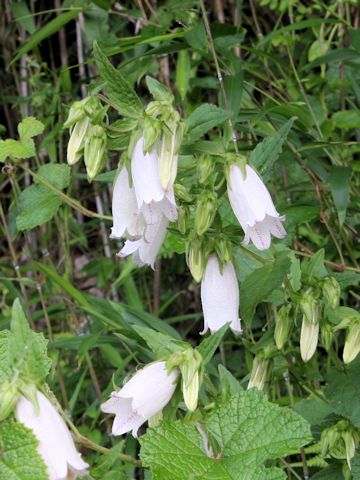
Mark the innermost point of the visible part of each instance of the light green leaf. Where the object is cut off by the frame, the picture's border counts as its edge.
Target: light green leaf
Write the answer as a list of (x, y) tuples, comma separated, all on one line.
[(158, 90), (25, 147), (5, 366), (209, 345), (38, 204), (347, 119), (19, 459), (161, 345), (203, 119), (183, 70), (30, 127), (27, 349), (261, 283), (313, 267), (340, 184), (267, 152), (248, 430), (119, 90)]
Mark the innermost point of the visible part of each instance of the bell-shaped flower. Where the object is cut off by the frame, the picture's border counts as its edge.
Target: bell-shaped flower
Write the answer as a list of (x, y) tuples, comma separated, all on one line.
[(220, 296), (253, 207), (125, 211), (56, 446), (77, 140), (145, 249), (142, 397), (309, 337)]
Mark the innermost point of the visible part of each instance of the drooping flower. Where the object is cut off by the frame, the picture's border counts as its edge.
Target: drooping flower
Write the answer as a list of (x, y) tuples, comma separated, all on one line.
[(142, 397), (220, 296), (56, 446), (253, 207)]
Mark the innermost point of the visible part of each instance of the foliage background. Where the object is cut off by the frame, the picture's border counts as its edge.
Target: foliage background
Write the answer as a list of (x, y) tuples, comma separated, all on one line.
[(282, 61)]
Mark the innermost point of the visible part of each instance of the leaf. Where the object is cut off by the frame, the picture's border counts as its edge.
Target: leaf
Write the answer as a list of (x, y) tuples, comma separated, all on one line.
[(267, 152), (25, 147), (347, 119), (183, 71), (343, 391), (46, 31), (158, 90), (119, 90), (38, 204), (248, 430), (27, 349), (209, 345), (261, 283), (5, 366), (340, 184), (203, 119), (314, 267), (23, 15), (161, 345), (30, 127), (19, 459)]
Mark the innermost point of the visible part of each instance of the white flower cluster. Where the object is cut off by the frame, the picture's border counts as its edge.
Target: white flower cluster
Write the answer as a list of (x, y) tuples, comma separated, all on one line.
[(141, 207)]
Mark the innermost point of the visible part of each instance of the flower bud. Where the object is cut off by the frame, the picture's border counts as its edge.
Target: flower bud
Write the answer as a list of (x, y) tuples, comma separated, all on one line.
[(168, 158), (182, 193), (77, 140), (340, 441), (223, 249), (80, 109), (258, 373), (283, 324), (189, 368), (94, 150), (352, 342), (331, 291), (308, 338), (151, 132), (183, 218), (196, 258), (205, 211), (309, 307), (8, 397), (327, 335), (205, 168)]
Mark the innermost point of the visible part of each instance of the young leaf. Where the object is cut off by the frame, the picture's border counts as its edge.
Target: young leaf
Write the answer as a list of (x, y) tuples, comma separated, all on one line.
[(209, 345), (248, 430), (203, 119), (158, 90), (340, 184), (160, 344), (183, 69), (119, 90), (19, 459), (267, 152), (25, 147)]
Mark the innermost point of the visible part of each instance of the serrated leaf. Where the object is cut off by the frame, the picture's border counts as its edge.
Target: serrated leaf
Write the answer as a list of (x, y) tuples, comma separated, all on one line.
[(30, 127), (5, 367), (261, 283), (38, 204), (27, 349), (119, 90), (19, 459), (248, 430), (267, 152), (203, 119)]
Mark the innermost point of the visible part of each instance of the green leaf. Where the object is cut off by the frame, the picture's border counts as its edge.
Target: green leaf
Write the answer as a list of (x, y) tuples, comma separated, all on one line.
[(38, 204), (23, 15), (183, 71), (158, 90), (19, 459), (27, 349), (261, 283), (340, 184), (248, 430), (30, 127), (161, 345), (106, 462), (119, 90), (267, 152), (314, 267), (343, 391), (203, 119), (5, 366), (347, 119), (209, 345), (46, 31), (25, 147)]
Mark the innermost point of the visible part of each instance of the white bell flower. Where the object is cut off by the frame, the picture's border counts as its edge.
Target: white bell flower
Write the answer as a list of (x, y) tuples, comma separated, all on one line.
[(145, 249), (308, 339), (56, 446), (220, 296), (142, 397), (254, 208), (124, 208)]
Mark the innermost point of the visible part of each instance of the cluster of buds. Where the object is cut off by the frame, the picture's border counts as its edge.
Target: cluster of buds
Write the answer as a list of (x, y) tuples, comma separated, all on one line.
[(147, 393), (340, 441), (87, 139)]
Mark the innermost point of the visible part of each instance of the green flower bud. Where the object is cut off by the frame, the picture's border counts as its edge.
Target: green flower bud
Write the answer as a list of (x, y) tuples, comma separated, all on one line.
[(340, 441), (80, 109), (77, 140), (196, 258), (94, 151), (190, 367), (258, 373), (327, 335), (205, 168), (183, 218), (223, 249), (310, 308), (352, 342), (182, 193), (205, 211), (8, 397), (331, 291), (283, 323)]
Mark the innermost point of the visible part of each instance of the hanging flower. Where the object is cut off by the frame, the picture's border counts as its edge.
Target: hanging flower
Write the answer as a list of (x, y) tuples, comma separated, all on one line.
[(56, 446), (253, 207), (142, 397), (220, 296)]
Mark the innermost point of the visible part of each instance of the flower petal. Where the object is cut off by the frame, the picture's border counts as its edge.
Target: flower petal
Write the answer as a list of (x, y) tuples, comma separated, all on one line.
[(124, 207)]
